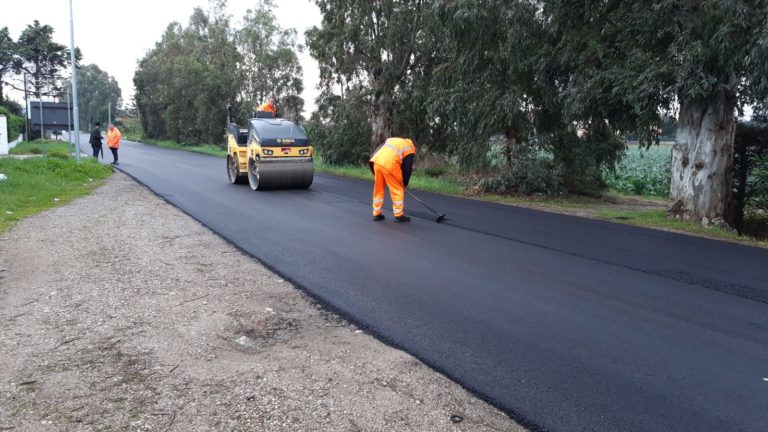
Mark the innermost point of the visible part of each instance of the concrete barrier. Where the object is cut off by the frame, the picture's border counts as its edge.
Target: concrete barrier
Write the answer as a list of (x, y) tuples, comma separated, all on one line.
[(13, 143)]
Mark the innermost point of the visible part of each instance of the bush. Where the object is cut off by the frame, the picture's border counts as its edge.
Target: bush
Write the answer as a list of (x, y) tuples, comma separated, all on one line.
[(344, 136), (435, 171), (553, 163), (13, 107), (584, 159), (15, 123), (530, 171), (58, 154), (129, 126), (759, 201), (750, 170)]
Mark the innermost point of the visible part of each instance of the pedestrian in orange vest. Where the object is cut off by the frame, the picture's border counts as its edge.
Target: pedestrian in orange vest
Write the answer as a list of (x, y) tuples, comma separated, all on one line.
[(113, 141), (392, 164)]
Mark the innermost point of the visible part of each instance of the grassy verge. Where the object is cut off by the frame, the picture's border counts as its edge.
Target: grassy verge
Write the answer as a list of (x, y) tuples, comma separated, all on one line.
[(36, 184), (658, 219), (52, 148), (209, 149)]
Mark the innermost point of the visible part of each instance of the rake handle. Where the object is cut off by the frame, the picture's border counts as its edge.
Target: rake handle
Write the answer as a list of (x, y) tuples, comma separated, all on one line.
[(421, 202)]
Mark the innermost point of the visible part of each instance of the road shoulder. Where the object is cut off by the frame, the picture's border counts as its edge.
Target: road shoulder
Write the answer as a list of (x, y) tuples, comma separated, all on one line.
[(120, 311)]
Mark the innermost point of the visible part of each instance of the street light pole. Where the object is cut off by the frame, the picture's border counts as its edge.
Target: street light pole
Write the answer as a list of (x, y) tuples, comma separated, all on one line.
[(73, 66)]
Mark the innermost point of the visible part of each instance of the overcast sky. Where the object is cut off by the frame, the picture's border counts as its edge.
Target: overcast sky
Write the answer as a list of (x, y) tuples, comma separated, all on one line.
[(115, 34)]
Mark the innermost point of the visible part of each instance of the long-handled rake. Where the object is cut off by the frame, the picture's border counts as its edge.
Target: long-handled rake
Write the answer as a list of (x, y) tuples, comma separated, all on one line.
[(440, 216)]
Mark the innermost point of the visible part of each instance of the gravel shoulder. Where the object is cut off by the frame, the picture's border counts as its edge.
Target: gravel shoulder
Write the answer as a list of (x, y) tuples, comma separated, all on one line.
[(121, 313)]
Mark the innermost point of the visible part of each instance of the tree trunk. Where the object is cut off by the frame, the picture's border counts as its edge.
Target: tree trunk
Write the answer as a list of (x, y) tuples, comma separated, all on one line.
[(381, 123), (513, 138), (702, 160), (292, 106)]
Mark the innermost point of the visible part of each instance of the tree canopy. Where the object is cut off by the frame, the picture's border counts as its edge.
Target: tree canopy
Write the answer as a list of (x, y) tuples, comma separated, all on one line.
[(634, 61), (42, 59), (373, 44), (96, 92), (185, 83), (270, 63), (7, 52), (557, 82)]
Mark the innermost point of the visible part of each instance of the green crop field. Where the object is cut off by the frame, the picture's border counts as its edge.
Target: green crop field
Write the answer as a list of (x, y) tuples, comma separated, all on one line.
[(642, 172)]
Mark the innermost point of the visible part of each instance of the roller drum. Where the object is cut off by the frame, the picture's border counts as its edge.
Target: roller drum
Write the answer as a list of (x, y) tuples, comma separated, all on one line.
[(280, 173)]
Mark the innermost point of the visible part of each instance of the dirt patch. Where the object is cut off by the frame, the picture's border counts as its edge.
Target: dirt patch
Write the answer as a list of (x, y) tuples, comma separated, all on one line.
[(121, 313)]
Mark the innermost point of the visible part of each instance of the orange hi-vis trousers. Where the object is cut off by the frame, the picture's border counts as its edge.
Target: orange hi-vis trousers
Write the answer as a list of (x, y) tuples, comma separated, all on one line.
[(394, 182)]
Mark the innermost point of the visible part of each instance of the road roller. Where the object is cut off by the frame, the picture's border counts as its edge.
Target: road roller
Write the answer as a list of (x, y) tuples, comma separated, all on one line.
[(271, 153)]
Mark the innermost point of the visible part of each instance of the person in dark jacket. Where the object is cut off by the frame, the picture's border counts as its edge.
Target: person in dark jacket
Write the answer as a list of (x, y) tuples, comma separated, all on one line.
[(96, 138)]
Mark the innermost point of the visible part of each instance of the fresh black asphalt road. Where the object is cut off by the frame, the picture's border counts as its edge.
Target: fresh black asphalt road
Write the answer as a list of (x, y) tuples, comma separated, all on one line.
[(567, 324)]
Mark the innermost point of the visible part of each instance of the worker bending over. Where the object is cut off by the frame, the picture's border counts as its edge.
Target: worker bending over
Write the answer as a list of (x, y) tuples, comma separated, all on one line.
[(392, 164), (269, 106)]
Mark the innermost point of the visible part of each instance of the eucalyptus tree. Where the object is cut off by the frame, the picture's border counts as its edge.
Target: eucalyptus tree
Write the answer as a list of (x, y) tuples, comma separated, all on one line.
[(185, 82), (270, 63), (704, 59), (485, 81), (497, 74), (373, 45), (149, 83), (96, 92), (339, 128)]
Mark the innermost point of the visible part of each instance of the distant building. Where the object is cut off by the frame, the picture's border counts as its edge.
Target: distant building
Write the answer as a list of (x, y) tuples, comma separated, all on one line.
[(57, 116)]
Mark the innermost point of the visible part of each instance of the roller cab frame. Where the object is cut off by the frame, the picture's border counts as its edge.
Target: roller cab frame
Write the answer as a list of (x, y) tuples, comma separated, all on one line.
[(272, 153)]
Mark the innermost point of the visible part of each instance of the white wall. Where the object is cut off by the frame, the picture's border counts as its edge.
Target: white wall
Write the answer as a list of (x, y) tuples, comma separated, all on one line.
[(3, 135)]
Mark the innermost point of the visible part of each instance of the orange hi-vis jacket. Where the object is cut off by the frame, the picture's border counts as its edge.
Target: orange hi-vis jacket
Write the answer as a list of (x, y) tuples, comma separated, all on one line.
[(388, 169), (390, 154), (267, 107), (113, 138)]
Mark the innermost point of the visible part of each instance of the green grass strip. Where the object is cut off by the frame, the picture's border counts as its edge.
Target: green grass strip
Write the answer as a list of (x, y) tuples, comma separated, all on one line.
[(36, 184), (52, 148)]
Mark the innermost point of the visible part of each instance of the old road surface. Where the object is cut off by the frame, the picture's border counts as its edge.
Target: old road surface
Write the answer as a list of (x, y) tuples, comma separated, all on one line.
[(565, 323)]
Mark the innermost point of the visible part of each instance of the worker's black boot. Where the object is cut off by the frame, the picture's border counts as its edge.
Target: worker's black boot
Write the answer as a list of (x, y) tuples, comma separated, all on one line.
[(402, 218), (378, 217)]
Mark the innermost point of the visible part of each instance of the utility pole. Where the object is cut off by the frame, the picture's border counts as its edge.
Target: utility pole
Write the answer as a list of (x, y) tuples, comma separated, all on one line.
[(73, 66), (109, 112)]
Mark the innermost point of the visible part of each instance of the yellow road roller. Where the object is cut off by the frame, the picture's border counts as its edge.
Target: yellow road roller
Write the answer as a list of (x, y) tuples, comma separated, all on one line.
[(272, 153)]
